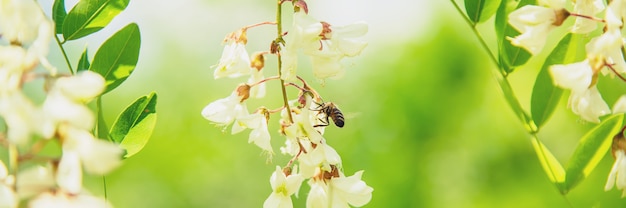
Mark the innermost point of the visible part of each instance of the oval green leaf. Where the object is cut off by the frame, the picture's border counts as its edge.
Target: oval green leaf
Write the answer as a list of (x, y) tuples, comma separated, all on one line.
[(58, 15), (83, 62), (510, 56), (546, 95), (134, 126), (116, 59), (480, 10), (90, 16), (551, 166), (590, 150)]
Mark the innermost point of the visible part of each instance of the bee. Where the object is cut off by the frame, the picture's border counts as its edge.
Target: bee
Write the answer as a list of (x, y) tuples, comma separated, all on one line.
[(330, 110)]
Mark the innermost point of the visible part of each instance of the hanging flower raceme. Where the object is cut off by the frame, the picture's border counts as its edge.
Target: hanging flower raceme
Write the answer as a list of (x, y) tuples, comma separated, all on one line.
[(302, 120), (535, 22)]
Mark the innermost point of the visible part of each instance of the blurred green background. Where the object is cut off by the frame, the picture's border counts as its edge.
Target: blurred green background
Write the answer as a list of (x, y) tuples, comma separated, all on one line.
[(425, 119)]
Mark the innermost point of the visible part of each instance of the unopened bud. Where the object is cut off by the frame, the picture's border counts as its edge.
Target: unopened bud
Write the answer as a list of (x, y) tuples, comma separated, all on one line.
[(257, 61), (243, 91)]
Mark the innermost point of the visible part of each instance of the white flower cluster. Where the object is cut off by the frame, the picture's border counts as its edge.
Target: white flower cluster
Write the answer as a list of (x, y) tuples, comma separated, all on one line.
[(604, 56), (63, 117), (302, 120)]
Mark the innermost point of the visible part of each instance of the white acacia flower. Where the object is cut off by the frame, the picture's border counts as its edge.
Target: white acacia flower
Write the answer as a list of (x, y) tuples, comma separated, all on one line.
[(350, 190), (584, 100), (260, 135), (24, 23), (282, 189), (303, 35), (318, 195), (327, 65), (614, 14), (66, 98), (12, 67), (609, 47), (64, 200), (224, 111), (588, 8), (234, 62), (575, 76), (81, 149), (534, 22), (348, 39), (35, 180), (8, 198), (617, 176), (319, 158), (302, 126), (21, 117), (589, 104)]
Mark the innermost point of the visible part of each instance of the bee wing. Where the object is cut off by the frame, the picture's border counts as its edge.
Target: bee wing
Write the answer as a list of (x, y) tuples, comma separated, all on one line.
[(351, 115)]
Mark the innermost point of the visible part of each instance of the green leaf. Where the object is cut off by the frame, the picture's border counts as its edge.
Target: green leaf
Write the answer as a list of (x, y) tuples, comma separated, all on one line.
[(546, 95), (133, 127), (90, 16), (116, 59), (83, 63), (551, 166), (481, 10), (510, 56), (591, 148), (58, 15)]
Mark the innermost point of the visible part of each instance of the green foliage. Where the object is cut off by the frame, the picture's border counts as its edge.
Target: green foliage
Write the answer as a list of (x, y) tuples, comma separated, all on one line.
[(481, 10), (510, 56), (83, 62), (134, 126), (58, 15), (116, 59), (552, 167), (591, 148), (90, 16), (546, 95)]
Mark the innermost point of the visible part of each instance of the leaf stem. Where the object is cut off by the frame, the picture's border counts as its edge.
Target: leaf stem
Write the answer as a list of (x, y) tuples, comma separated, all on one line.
[(279, 28), (67, 60), (477, 34), (500, 76)]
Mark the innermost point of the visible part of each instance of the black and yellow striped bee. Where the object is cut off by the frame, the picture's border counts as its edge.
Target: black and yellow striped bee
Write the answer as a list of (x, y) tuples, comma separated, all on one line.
[(330, 110)]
